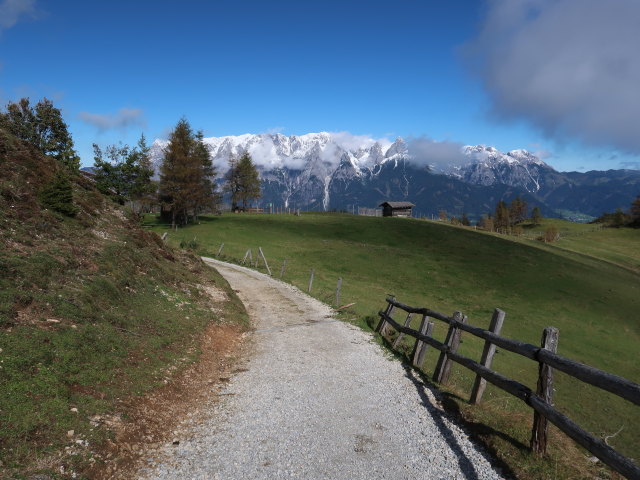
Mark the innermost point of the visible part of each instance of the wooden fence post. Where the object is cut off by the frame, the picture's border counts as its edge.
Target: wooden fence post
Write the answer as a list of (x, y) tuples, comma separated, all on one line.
[(382, 325), (264, 260), (284, 267), (164, 236), (400, 335), (420, 348), (220, 249), (311, 280), (544, 391), (443, 367), (338, 291), (245, 257), (487, 356)]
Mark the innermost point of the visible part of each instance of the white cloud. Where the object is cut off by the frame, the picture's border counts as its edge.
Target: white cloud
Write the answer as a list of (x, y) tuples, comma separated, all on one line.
[(12, 10), (125, 117), (570, 67), (439, 154)]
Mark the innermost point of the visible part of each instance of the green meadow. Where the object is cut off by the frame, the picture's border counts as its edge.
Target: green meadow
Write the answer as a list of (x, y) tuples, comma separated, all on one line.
[(587, 285)]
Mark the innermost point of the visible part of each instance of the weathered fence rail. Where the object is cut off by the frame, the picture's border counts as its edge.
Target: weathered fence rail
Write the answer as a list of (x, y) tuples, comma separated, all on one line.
[(540, 401)]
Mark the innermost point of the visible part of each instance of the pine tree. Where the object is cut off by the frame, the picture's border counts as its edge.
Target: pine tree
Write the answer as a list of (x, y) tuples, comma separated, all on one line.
[(242, 182), (536, 216), (186, 175), (501, 218), (465, 220), (250, 180), (635, 212), (176, 174), (517, 210), (43, 127), (58, 195), (207, 195)]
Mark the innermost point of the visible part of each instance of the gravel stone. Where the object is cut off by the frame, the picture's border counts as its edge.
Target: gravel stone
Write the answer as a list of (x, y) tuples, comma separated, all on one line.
[(318, 400)]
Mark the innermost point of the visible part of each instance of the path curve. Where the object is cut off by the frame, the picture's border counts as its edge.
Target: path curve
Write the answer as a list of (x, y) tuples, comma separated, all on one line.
[(317, 399)]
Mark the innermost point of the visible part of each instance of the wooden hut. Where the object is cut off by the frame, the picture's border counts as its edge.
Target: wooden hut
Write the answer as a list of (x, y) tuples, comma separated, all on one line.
[(396, 209)]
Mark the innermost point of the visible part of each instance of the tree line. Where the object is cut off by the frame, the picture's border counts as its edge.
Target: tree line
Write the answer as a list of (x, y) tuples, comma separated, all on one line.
[(186, 186)]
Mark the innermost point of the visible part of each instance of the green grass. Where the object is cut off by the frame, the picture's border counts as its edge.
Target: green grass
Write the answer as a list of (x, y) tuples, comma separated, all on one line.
[(575, 286)]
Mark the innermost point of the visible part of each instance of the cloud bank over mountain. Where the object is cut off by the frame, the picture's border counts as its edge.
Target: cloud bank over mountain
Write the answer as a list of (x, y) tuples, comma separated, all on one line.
[(570, 67)]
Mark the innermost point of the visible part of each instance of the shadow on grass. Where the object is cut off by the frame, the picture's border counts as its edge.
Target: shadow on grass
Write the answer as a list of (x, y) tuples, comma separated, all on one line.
[(450, 403)]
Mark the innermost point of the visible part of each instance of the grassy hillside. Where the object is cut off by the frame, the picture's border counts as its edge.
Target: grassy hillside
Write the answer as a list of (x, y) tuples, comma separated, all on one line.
[(593, 302), (93, 311)]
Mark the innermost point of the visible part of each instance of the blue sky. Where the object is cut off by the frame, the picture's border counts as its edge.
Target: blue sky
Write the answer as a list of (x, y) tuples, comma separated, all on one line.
[(462, 71)]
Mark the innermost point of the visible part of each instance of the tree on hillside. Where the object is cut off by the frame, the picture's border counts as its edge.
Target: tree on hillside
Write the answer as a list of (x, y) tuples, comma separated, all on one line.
[(185, 175), (635, 212), (43, 127), (124, 172), (517, 210), (536, 216), (242, 181), (465, 220), (207, 193), (57, 195), (501, 220)]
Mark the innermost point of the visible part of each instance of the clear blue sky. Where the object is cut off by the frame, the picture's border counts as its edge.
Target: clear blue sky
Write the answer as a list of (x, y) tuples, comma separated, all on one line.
[(402, 68)]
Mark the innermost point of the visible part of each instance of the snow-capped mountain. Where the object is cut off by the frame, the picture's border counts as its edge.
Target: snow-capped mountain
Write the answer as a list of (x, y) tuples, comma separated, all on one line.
[(323, 171)]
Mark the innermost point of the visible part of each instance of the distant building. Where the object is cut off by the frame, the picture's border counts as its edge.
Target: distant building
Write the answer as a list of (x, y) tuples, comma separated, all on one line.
[(396, 209), (369, 212)]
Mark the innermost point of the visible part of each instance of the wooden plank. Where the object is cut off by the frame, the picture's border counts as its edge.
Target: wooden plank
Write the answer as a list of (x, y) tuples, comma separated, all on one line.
[(594, 445), (612, 383), (545, 392), (443, 367), (164, 236), (311, 280), (420, 347), (382, 326), (220, 249), (264, 260), (407, 322), (245, 257), (338, 291), (488, 352), (284, 267)]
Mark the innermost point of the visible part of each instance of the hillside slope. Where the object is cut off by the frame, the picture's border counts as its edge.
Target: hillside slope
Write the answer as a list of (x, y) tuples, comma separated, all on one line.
[(592, 301), (94, 311)]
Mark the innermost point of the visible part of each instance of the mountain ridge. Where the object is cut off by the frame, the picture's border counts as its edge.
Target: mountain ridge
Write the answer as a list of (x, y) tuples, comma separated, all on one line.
[(327, 171)]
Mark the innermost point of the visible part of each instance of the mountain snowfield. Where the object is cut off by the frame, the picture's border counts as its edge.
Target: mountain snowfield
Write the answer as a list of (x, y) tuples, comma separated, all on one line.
[(324, 171)]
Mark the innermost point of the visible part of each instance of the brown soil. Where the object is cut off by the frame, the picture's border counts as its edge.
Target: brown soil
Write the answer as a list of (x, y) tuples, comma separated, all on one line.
[(152, 420)]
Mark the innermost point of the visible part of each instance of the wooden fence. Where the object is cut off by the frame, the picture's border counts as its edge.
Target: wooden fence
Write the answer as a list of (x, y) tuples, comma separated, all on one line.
[(541, 401)]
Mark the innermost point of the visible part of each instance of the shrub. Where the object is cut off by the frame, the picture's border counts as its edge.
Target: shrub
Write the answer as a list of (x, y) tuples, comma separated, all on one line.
[(57, 195)]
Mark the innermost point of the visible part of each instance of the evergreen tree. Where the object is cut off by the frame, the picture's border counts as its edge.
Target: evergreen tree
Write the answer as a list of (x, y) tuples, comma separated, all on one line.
[(635, 212), (501, 218), (465, 220), (43, 127), (207, 195), (250, 180), (517, 210), (233, 183), (536, 215), (186, 175), (58, 195), (176, 174), (242, 182)]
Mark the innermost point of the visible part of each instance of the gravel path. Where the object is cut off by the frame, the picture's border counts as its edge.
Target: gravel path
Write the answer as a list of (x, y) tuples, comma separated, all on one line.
[(318, 400)]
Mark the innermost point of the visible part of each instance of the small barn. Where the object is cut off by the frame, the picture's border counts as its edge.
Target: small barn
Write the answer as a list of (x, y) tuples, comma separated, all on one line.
[(396, 209)]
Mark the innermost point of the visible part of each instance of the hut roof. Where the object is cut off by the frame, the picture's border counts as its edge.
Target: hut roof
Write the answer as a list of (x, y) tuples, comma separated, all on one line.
[(397, 204)]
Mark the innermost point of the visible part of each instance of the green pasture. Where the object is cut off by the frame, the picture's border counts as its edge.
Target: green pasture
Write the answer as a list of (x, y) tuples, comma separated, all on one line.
[(587, 285)]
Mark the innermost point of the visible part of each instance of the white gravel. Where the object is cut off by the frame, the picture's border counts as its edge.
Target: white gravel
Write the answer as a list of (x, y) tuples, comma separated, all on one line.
[(318, 400)]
